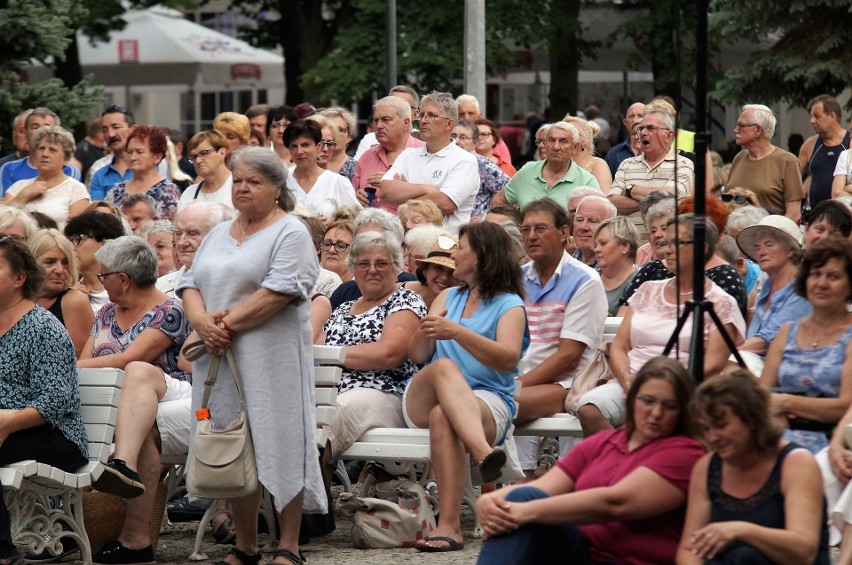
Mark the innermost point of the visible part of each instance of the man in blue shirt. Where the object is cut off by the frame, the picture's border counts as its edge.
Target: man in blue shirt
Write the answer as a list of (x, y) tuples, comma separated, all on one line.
[(24, 169), (116, 122), (624, 150)]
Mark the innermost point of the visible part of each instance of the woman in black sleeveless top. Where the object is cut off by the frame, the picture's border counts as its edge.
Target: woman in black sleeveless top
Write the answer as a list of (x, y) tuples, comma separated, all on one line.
[(55, 254), (755, 499)]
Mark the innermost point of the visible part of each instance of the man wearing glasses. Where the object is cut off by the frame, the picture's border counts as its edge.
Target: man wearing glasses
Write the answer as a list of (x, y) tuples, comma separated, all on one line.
[(555, 177), (440, 171), (772, 173), (658, 168)]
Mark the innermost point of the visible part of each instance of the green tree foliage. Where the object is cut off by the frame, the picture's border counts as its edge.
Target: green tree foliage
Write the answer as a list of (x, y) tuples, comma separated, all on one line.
[(37, 30), (810, 55)]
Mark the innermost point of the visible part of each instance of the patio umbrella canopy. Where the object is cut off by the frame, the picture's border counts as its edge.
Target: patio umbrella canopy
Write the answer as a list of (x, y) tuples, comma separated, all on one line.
[(158, 46)]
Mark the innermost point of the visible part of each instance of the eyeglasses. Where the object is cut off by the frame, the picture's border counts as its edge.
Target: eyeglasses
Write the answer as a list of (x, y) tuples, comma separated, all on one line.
[(78, 238), (539, 229), (738, 198), (539, 142), (431, 117), (102, 276), (380, 266), (162, 246), (665, 405), (340, 246), (194, 157), (741, 125), (12, 237), (446, 243), (651, 129), (461, 137), (279, 125), (328, 144), (485, 134), (678, 242)]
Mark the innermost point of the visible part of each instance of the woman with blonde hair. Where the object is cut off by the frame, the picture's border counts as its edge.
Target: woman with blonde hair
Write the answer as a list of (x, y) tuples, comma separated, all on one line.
[(584, 155), (413, 213), (16, 223), (235, 128), (55, 254), (344, 123), (616, 241)]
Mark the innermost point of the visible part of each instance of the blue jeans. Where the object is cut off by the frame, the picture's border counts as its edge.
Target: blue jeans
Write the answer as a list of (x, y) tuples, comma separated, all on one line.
[(536, 543)]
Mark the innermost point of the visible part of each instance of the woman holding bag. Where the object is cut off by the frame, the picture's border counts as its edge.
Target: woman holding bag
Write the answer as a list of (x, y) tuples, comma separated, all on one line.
[(259, 306)]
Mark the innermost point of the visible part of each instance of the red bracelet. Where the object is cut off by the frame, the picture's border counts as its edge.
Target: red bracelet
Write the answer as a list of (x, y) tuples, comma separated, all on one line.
[(224, 325)]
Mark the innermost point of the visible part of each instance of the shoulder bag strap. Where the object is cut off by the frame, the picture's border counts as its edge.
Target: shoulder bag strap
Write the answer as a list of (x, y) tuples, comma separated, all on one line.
[(198, 349)]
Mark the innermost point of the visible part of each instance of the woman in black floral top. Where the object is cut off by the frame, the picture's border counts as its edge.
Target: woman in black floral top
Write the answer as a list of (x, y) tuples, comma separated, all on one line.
[(38, 379), (375, 330)]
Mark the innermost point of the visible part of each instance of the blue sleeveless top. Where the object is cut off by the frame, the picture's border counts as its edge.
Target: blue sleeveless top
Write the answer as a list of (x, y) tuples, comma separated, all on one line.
[(484, 322), (811, 372)]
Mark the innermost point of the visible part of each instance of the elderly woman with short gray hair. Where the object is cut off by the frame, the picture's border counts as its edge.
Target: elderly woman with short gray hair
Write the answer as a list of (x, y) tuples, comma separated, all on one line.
[(248, 289), (375, 330), (161, 234), (51, 192)]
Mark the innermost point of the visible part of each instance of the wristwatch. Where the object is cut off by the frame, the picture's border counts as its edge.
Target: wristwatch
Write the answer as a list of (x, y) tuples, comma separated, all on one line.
[(628, 192)]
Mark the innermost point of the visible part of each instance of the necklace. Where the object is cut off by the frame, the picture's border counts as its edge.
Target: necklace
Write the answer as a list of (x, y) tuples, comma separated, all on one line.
[(674, 286), (260, 224), (829, 329)]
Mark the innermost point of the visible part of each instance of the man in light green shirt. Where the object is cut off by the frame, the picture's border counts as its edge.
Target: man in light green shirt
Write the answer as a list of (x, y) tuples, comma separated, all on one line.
[(554, 178)]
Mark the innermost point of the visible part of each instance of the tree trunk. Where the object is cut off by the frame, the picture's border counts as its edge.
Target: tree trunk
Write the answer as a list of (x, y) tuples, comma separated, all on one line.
[(305, 37), (564, 57)]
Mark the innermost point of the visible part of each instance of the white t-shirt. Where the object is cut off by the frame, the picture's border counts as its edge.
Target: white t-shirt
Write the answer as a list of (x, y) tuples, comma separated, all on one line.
[(367, 142), (452, 170), (330, 192), (56, 201), (193, 193), (98, 299), (843, 166)]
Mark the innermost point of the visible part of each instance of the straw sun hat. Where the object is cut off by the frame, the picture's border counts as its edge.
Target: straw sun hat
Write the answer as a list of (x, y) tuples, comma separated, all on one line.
[(440, 254)]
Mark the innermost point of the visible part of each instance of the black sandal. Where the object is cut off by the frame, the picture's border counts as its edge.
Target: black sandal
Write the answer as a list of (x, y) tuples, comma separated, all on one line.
[(287, 554), (244, 557)]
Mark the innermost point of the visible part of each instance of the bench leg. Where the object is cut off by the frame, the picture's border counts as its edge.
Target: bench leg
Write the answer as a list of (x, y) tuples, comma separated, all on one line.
[(470, 499)]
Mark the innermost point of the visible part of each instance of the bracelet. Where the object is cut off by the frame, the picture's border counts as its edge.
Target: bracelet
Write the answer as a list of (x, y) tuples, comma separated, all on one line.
[(224, 325)]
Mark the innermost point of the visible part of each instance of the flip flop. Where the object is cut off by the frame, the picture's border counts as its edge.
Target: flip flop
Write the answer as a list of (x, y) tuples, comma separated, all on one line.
[(492, 466), (453, 545)]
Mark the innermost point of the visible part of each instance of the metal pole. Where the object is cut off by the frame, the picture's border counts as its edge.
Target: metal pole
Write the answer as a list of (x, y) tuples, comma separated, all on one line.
[(474, 50), (390, 32)]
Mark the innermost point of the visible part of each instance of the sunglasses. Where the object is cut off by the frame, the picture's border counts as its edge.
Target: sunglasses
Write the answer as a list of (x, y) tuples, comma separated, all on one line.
[(738, 198)]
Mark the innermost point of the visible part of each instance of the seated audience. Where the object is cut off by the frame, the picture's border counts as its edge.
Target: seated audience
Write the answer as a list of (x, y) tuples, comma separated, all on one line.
[(730, 252), (235, 128), (616, 241), (16, 223), (472, 340), (39, 392), (55, 254), (207, 151), (774, 245), (417, 244), (51, 192), (87, 233), (435, 271), (141, 330), (492, 178), (414, 213), (344, 125), (756, 498), (334, 250), (374, 329), (590, 212), (828, 218), (656, 212), (146, 147), (161, 234), (652, 315), (617, 497), (139, 210), (809, 362)]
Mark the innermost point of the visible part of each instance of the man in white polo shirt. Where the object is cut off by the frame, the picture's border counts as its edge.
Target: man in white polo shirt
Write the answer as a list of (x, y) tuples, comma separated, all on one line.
[(440, 171)]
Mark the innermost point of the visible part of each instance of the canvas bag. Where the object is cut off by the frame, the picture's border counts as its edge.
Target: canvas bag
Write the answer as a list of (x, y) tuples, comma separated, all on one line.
[(595, 374), (383, 524), (222, 464)]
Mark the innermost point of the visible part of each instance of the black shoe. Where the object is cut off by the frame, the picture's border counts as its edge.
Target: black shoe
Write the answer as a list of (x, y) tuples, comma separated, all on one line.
[(70, 552), (113, 553), (182, 510), (120, 480)]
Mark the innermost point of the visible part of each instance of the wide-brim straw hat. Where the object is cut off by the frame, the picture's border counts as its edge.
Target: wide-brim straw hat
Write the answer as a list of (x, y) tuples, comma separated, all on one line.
[(441, 253), (782, 224)]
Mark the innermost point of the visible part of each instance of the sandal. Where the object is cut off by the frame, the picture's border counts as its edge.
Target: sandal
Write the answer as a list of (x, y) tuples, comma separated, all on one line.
[(292, 557), (491, 467), (244, 557), (224, 533)]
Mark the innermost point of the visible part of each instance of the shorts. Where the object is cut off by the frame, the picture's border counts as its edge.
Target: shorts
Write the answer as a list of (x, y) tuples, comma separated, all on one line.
[(609, 399), (499, 411), (360, 409), (174, 418)]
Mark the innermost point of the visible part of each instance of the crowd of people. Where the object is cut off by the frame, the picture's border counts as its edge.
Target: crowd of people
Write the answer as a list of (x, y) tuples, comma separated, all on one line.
[(470, 291)]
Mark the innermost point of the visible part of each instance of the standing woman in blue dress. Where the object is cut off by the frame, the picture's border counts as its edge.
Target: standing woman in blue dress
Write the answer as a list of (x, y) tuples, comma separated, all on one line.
[(472, 340)]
